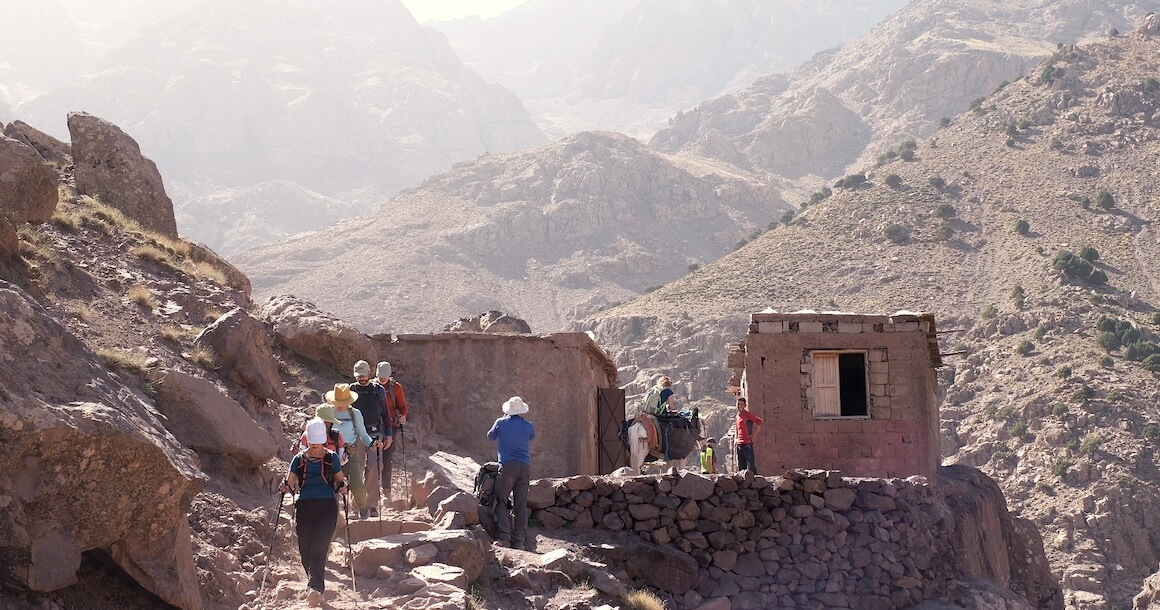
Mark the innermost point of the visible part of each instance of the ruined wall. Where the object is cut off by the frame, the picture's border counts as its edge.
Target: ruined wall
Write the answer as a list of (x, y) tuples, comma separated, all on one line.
[(460, 380), (811, 538), (899, 438)]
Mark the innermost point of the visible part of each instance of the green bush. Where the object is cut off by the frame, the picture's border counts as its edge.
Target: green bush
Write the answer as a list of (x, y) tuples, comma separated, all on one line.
[(1098, 277), (1152, 363), (1022, 227), (943, 122), (1089, 254), (1019, 430), (937, 182), (896, 233), (1060, 468), (1090, 444), (851, 181), (886, 157), (788, 216), (990, 311), (1059, 410), (1156, 318), (1064, 372), (893, 181), (906, 155), (1026, 347), (1040, 332), (1018, 296), (945, 211), (1105, 200), (821, 195), (1082, 394), (1071, 265), (1108, 341), (976, 105), (1106, 361), (1150, 431), (944, 232)]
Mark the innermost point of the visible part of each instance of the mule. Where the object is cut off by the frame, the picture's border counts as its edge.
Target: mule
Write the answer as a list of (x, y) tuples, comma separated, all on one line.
[(676, 438)]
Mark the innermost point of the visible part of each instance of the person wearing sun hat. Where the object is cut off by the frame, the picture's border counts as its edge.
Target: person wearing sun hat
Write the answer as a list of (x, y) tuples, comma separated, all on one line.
[(349, 423), (371, 401), (335, 440), (513, 434)]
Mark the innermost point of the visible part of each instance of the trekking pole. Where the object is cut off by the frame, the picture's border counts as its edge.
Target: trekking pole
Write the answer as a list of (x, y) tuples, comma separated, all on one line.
[(406, 475), (273, 539), (349, 552), (378, 511)]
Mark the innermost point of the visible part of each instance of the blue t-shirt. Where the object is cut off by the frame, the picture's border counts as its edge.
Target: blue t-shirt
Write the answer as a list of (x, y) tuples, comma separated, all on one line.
[(513, 433), (666, 394), (311, 485)]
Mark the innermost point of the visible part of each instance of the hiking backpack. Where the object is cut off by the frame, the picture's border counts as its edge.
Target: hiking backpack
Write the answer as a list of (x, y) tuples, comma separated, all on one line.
[(652, 400), (485, 481), (328, 468)]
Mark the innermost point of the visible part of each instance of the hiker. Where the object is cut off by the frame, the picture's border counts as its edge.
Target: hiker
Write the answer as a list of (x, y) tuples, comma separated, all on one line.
[(315, 476), (658, 400), (371, 402), (335, 441), (513, 433), (709, 457), (350, 425), (747, 426), (396, 414)]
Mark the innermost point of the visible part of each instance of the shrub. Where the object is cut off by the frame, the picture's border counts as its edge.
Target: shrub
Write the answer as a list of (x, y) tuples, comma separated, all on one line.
[(1098, 277), (976, 105), (1090, 444), (1108, 341), (1012, 130), (1026, 347), (1055, 144), (1150, 431), (1086, 202), (1059, 410), (173, 333), (937, 182), (990, 311), (1060, 468), (906, 155), (943, 122), (127, 361), (143, 297), (643, 599), (886, 157), (1083, 393), (788, 216), (150, 253), (821, 195), (1152, 363), (204, 356), (1022, 227), (851, 181), (1156, 318), (693, 267), (893, 181), (945, 210), (1106, 361), (1089, 254), (896, 233), (1105, 200), (943, 232), (1010, 142), (1071, 265), (1040, 332), (1019, 430), (1018, 296), (1064, 372)]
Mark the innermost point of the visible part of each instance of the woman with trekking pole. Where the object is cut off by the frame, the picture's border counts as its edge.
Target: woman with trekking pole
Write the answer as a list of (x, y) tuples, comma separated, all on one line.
[(316, 476)]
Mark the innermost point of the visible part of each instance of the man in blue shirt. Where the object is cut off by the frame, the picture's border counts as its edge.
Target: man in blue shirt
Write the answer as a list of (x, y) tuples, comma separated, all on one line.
[(513, 434)]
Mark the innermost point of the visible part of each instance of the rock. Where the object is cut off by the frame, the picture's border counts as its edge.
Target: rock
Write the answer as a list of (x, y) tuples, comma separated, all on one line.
[(109, 165), (694, 487), (462, 503), (245, 353), (666, 568), (70, 442), (27, 184), (206, 420), (49, 148), (489, 322), (9, 240), (541, 494), (421, 555), (442, 573), (316, 335)]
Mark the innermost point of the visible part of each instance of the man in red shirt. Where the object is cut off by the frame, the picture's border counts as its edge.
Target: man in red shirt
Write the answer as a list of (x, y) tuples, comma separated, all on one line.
[(747, 426)]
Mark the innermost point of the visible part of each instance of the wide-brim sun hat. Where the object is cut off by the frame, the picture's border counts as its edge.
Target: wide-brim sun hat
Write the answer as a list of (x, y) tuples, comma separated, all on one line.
[(515, 406), (325, 413), (341, 395)]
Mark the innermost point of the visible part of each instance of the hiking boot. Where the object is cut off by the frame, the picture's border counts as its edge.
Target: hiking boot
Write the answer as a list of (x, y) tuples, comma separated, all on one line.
[(363, 512), (372, 512), (314, 598)]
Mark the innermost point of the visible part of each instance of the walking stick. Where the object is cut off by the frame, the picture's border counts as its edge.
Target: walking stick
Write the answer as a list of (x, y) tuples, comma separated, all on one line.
[(273, 539), (406, 474), (349, 552), (379, 511)]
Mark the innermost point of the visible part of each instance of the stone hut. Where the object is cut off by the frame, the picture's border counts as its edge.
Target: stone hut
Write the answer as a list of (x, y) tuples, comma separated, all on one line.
[(461, 380), (839, 391)]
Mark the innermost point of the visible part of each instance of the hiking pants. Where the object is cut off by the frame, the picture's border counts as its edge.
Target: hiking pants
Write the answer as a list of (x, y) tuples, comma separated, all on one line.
[(513, 479), (745, 459), (354, 473), (314, 522), (373, 476), (388, 458)]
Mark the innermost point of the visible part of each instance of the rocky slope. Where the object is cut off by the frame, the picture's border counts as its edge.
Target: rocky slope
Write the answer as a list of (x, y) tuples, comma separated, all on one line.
[(629, 66), (1034, 396), (847, 106), (549, 235), (336, 99)]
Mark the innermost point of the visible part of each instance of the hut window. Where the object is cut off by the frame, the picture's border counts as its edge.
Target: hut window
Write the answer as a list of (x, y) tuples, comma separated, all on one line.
[(840, 384)]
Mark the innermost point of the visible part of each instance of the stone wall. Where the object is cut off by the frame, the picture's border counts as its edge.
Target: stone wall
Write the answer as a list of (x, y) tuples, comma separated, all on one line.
[(460, 381), (806, 539)]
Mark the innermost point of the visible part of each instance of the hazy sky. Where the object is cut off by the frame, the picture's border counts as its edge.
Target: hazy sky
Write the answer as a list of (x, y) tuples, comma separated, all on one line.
[(425, 10)]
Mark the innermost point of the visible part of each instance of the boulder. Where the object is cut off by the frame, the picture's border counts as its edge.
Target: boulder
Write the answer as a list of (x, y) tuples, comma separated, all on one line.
[(50, 148), (495, 322), (9, 240), (109, 165), (92, 466), (234, 277), (27, 185), (206, 420), (245, 353), (666, 568), (313, 334)]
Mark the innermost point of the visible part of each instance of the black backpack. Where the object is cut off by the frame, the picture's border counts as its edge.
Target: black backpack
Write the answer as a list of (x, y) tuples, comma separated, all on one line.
[(485, 483)]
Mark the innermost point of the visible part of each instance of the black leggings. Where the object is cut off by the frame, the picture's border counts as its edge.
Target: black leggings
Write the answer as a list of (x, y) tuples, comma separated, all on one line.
[(314, 522)]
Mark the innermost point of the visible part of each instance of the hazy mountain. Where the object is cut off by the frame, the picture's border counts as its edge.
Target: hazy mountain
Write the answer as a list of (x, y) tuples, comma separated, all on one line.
[(1040, 394), (925, 63), (40, 45), (629, 66), (550, 235), (335, 98)]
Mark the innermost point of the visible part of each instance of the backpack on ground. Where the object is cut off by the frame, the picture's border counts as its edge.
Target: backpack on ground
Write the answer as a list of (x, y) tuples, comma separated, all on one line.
[(485, 481)]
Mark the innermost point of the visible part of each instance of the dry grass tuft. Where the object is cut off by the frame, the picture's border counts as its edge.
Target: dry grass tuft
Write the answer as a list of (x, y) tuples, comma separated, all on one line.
[(126, 361), (150, 253), (66, 220), (143, 297), (643, 599), (80, 311), (174, 333), (204, 356)]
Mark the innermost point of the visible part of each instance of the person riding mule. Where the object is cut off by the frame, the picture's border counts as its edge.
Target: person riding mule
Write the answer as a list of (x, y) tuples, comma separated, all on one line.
[(667, 437)]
